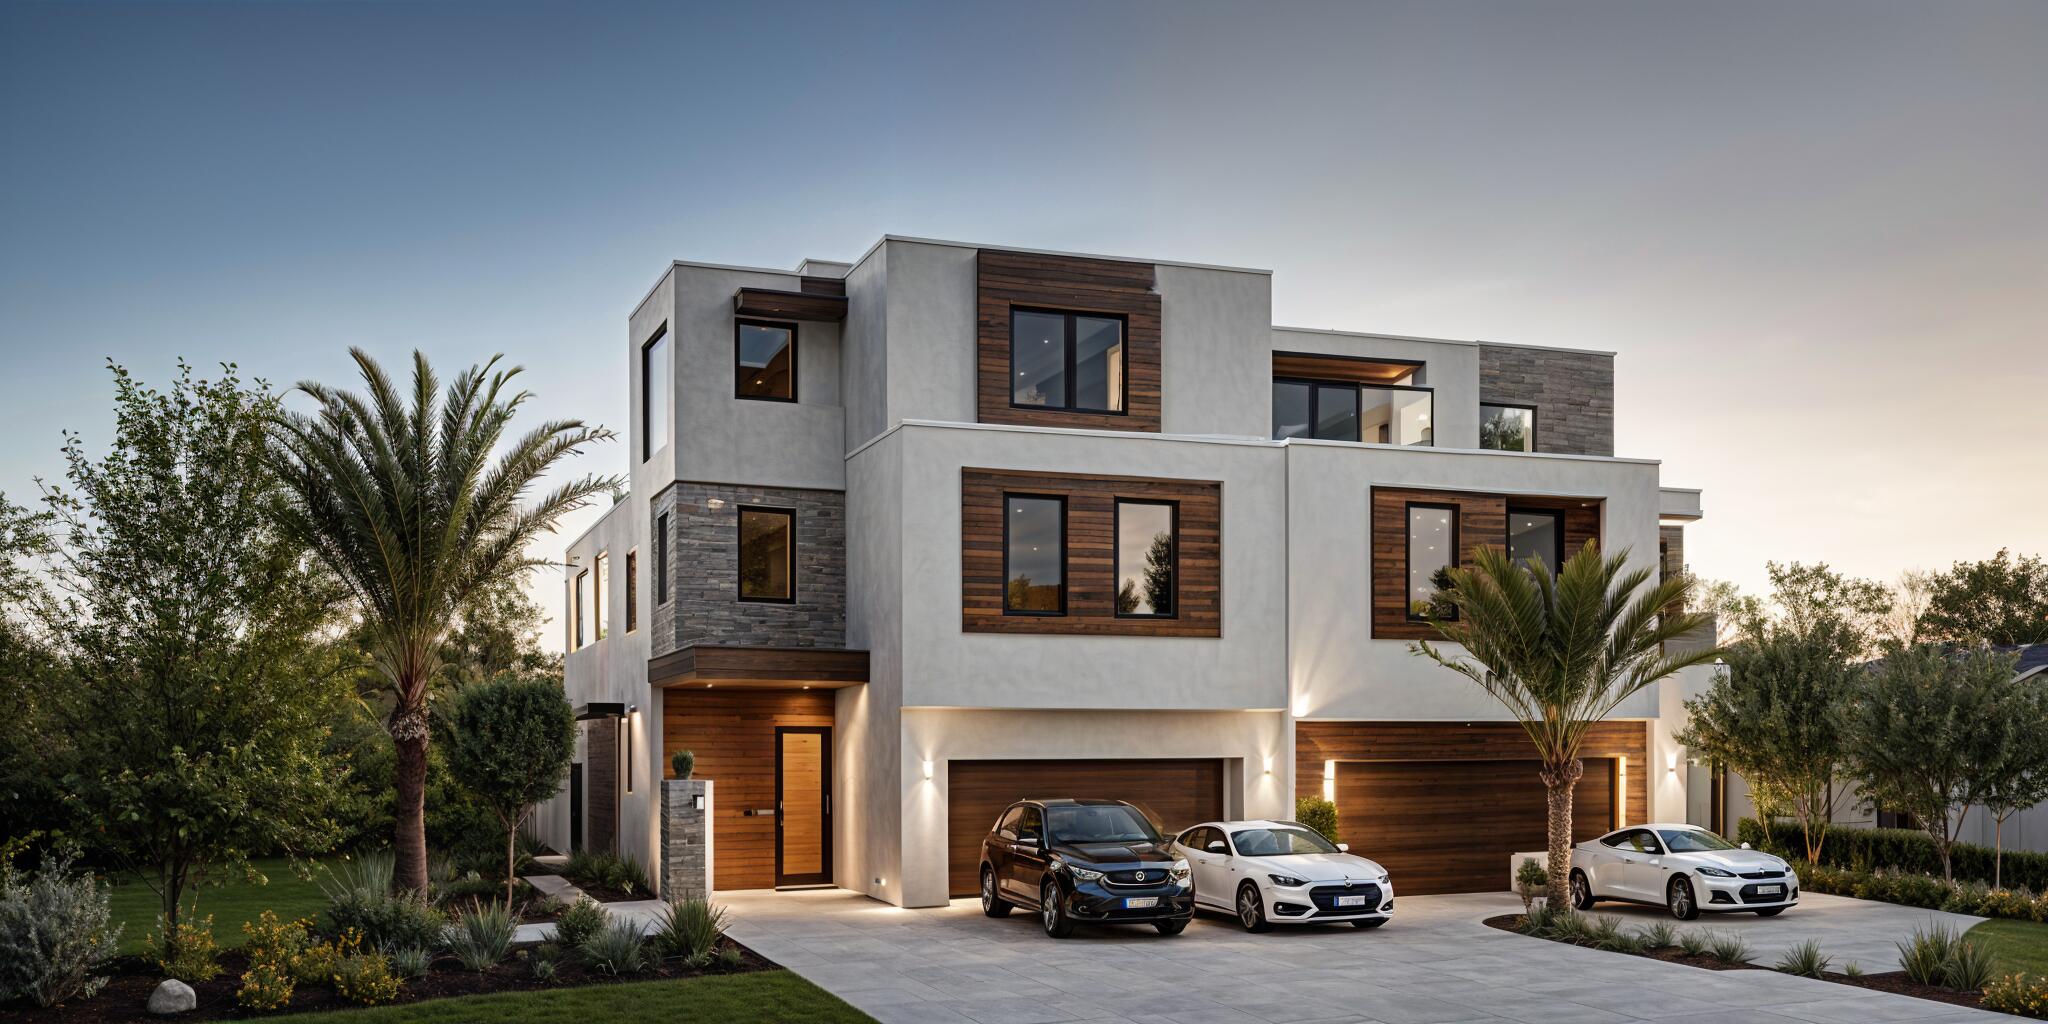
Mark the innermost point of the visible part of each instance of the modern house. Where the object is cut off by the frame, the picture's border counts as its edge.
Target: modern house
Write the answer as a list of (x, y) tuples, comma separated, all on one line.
[(950, 525)]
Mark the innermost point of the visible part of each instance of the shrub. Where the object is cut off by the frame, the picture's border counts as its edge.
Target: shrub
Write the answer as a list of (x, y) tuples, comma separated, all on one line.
[(730, 958), (1730, 949), (483, 936), (579, 922), (545, 961), (606, 870), (684, 762), (317, 963), (2018, 904), (617, 949), (266, 985), (1969, 966), (1662, 935), (365, 978), (54, 936), (689, 928), (1852, 969), (2022, 994), (1924, 956), (387, 920), (1530, 880), (1966, 897), (1319, 814), (411, 963), (185, 951), (1909, 851), (1805, 960), (1695, 941), (1920, 891)]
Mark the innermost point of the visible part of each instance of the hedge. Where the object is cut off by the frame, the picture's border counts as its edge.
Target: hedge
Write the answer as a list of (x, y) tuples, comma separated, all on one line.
[(1926, 891), (1900, 849)]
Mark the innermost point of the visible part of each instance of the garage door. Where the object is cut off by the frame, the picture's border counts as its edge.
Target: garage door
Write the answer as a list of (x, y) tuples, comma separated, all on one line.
[(1176, 794), (1450, 826)]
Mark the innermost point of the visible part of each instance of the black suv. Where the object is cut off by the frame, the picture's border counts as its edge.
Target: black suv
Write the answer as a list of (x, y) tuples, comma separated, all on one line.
[(1099, 861)]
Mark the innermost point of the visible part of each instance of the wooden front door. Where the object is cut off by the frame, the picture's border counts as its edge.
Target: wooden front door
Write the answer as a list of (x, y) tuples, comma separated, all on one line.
[(803, 805)]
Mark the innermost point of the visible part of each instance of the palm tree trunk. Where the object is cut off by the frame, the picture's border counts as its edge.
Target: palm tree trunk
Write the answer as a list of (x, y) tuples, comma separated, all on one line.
[(409, 800), (1558, 780)]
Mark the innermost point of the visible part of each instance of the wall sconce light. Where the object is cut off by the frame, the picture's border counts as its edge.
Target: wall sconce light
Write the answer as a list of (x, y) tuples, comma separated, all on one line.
[(1671, 763), (1269, 764), (697, 801), (1330, 781), (1300, 707), (927, 768), (714, 504), (1621, 784)]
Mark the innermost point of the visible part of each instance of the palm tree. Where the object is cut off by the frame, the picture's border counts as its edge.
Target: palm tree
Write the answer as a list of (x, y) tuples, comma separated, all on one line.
[(407, 500), (1561, 654)]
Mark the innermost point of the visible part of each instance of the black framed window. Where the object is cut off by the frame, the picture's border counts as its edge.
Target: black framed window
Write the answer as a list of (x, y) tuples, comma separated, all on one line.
[(1034, 555), (764, 360), (767, 554), (661, 558), (1432, 549), (1344, 411), (1507, 428), (601, 583), (1147, 559), (580, 608), (1068, 361), (657, 392), (1536, 533), (632, 590)]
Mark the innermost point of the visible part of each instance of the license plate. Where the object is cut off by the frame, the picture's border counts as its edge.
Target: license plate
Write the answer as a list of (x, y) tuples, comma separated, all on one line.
[(1351, 901), (1769, 890), (1141, 902)]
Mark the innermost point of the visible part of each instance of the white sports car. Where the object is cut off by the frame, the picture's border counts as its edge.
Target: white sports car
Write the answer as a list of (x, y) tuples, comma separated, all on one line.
[(1268, 872), (1684, 868)]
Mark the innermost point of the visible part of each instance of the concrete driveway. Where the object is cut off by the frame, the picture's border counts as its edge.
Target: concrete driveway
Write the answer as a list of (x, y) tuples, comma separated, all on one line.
[(1862, 932), (1435, 964)]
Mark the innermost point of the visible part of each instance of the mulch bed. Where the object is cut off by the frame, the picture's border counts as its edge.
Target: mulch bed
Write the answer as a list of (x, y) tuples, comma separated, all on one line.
[(1895, 982), (125, 997)]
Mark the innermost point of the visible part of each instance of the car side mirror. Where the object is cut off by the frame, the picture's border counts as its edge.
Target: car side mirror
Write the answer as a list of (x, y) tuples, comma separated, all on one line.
[(1216, 846), (1343, 847), (1745, 846), (1028, 839)]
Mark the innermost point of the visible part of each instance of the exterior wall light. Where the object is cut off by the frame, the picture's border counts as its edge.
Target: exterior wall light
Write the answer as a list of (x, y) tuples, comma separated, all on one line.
[(927, 768), (1330, 781), (1269, 764)]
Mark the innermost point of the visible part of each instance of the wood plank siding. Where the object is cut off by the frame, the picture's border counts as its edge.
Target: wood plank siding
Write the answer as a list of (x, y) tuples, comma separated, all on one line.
[(786, 305), (1317, 366), (732, 732), (1074, 285), (1453, 826), (767, 666), (1481, 519), (601, 784), (1091, 553), (1175, 794)]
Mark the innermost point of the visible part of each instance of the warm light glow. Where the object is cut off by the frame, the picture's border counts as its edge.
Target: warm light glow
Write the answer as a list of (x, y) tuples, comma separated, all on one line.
[(927, 768), (1671, 763), (1269, 764), (1621, 787)]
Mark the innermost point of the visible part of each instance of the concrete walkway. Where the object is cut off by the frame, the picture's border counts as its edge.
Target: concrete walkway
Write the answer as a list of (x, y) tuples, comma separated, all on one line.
[(1435, 964)]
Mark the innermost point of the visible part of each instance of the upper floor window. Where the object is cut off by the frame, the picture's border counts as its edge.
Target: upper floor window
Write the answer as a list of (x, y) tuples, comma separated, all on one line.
[(1345, 411), (661, 558), (579, 603), (1034, 555), (632, 591), (657, 392), (602, 577), (1507, 428), (1432, 550), (767, 554), (1146, 539), (1536, 533), (764, 358), (1071, 361)]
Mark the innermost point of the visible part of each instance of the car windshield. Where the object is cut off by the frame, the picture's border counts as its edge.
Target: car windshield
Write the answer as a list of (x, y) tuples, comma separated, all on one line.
[(1098, 823), (1695, 841), (1279, 842)]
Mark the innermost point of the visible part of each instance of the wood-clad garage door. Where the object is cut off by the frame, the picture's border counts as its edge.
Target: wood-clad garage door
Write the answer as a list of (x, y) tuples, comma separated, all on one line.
[(1450, 826), (1175, 794)]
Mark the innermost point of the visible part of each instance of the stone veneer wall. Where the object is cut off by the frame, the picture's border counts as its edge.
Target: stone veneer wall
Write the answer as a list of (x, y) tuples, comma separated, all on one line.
[(1573, 393), (704, 605), (686, 849)]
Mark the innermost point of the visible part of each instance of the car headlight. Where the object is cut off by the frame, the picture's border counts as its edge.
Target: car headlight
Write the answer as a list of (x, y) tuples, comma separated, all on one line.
[(1179, 871), (1082, 874), (1716, 872), (1287, 881)]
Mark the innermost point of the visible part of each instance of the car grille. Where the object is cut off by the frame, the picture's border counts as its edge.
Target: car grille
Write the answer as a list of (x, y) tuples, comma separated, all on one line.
[(1763, 874), (1750, 895), (1160, 875), (1325, 897)]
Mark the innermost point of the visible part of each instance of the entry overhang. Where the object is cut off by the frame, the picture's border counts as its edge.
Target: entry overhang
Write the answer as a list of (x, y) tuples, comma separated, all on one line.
[(704, 665)]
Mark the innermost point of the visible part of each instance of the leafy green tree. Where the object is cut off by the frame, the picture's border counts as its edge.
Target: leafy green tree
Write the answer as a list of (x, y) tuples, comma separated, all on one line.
[(30, 795), (2000, 600), (1923, 733), (2017, 777), (407, 498), (1561, 654), (190, 628), (510, 741), (1775, 718)]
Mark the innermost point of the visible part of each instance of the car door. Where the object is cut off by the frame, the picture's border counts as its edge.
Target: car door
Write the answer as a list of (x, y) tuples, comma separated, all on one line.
[(1027, 855), (1647, 869), (1604, 865), (1625, 877), (996, 848), (1206, 851)]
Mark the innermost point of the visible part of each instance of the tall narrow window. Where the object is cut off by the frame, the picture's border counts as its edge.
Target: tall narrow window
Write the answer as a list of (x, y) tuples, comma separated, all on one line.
[(579, 614), (657, 384), (661, 558), (1538, 534), (1147, 542), (601, 587), (767, 554), (764, 356), (1432, 548), (1034, 555), (1070, 361), (632, 591), (1507, 428)]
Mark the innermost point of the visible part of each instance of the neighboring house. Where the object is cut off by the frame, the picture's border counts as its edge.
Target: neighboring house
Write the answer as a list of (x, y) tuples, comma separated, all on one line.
[(912, 537)]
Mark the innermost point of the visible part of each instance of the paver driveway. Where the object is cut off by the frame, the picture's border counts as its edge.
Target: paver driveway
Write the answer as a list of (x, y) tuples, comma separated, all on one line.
[(1435, 964)]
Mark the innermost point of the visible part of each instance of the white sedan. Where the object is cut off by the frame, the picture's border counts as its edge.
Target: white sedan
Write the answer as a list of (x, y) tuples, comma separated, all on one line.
[(1683, 868), (1283, 872)]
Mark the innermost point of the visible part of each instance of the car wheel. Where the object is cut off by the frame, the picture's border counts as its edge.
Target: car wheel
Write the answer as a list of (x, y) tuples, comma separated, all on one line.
[(1678, 897), (1172, 927), (1582, 891), (1057, 923), (1770, 911), (1251, 910), (1373, 922), (992, 904)]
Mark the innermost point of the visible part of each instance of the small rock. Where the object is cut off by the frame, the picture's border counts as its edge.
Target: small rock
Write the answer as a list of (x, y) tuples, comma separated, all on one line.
[(173, 996)]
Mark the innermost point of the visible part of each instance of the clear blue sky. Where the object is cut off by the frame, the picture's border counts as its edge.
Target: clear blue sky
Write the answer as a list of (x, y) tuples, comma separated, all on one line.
[(1817, 234)]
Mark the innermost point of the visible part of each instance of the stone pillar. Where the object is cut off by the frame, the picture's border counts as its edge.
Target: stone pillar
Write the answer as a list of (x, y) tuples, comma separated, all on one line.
[(685, 839)]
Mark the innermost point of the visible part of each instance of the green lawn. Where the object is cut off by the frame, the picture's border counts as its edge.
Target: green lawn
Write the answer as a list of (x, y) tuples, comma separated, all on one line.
[(2018, 945), (135, 904), (764, 996)]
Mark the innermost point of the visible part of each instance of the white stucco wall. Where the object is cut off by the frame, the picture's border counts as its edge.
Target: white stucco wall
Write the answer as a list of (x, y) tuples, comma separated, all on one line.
[(1215, 371)]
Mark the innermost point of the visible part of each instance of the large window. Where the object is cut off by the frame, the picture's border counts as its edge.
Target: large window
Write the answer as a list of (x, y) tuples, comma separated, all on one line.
[(602, 585), (1507, 428), (764, 354), (1337, 411), (661, 558), (1072, 361), (578, 609), (1536, 533), (657, 382), (767, 554), (1432, 548), (1147, 537), (1034, 555), (632, 591)]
